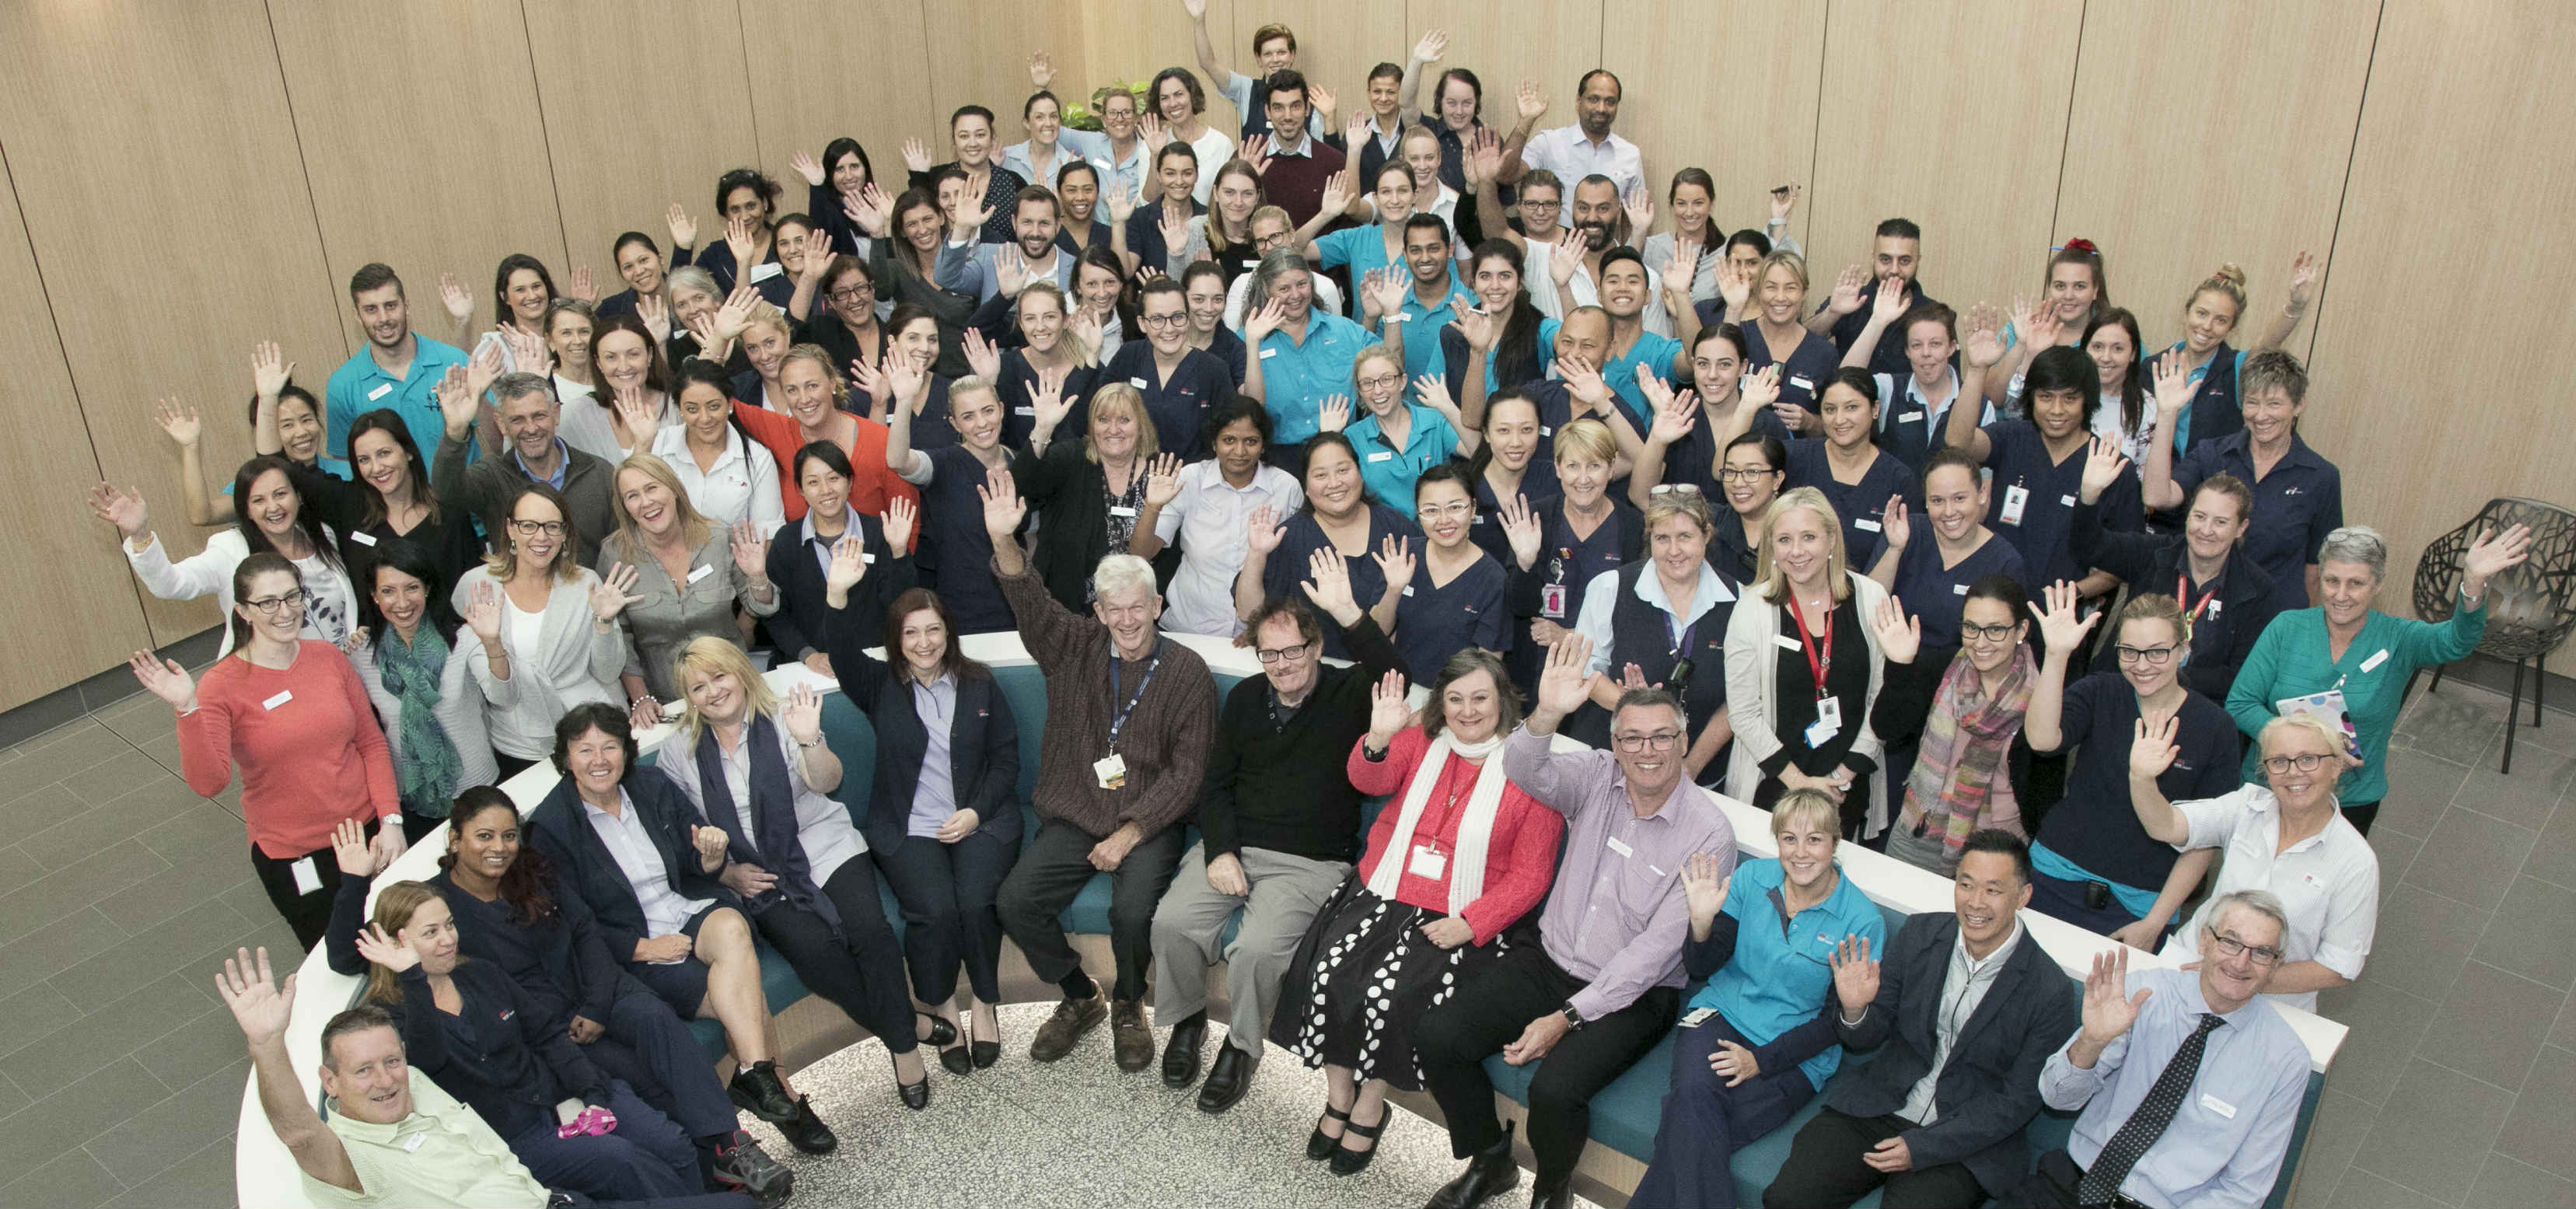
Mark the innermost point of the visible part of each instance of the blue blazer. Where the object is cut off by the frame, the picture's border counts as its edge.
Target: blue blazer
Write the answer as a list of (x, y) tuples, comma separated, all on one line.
[(585, 869), (983, 738)]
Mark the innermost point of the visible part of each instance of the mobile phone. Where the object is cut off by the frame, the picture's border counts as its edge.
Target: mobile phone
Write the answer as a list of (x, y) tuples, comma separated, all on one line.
[(1781, 190)]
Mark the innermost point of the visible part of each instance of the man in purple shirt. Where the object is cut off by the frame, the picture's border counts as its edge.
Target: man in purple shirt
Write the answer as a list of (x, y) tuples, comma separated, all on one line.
[(1601, 987)]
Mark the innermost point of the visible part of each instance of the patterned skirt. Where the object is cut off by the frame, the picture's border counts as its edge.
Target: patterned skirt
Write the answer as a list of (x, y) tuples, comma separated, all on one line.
[(1362, 976)]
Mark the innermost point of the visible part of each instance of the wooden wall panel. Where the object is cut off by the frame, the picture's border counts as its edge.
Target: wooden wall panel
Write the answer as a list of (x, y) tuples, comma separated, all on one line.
[(1950, 114), (981, 54), (178, 106), (1505, 43), (2440, 372), (1130, 43), (644, 104), (2164, 168), (431, 160), (1729, 87), (819, 75)]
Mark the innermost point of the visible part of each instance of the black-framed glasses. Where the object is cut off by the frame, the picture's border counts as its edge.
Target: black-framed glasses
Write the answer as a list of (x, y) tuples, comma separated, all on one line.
[(535, 528), (271, 606), (2152, 656), (1738, 474), (1990, 633), (1164, 320), (2224, 946), (1380, 381), (1661, 740), (1284, 654), (854, 294), (2307, 762)]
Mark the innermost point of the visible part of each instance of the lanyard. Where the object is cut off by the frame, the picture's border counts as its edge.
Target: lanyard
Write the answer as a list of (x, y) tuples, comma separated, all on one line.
[(1820, 658), (1119, 702), (2190, 616), (1430, 838), (1682, 639)]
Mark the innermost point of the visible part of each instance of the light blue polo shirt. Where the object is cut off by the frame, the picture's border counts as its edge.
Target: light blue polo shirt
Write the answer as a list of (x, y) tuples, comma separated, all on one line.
[(1620, 374), (1363, 250), (1782, 973), (1422, 326), (1297, 378), (360, 386), (1391, 472)]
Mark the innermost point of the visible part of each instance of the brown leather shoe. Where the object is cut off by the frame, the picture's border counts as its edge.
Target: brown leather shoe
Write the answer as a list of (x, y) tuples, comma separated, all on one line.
[(1065, 1029), (1132, 1037)]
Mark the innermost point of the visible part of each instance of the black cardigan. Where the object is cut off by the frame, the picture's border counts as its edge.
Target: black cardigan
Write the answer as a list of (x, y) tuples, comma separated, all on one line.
[(798, 626), (2146, 562), (983, 738), (1905, 696), (1287, 789), (1070, 494), (584, 868)]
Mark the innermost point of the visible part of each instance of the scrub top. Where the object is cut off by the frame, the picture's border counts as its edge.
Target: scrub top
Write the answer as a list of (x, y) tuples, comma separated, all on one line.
[(1286, 567), (2092, 826), (1435, 621), (1390, 472), (955, 555), (1693, 459), (1860, 506), (1422, 328), (1538, 481), (1297, 378), (1178, 403), (1554, 587), (1935, 593), (1809, 366), (2031, 501), (2295, 506), (1018, 389), (1620, 372), (1453, 363), (1782, 972), (1910, 425)]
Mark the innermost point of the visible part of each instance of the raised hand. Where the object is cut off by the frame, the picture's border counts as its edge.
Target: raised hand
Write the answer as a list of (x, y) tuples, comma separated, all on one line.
[(1567, 255), (2303, 280), (1256, 151), (1047, 403), (1583, 381), (1197, 9), (2491, 554), (1263, 531), (1356, 132), (2102, 467), (1175, 229), (1433, 44), (2173, 386), (1785, 200), (453, 295), (1480, 329), (734, 316), (1984, 345), (1484, 159), (1429, 387), (2045, 328), (270, 371), (802, 714), (387, 949), (1674, 415), (1386, 290), (1735, 285), (1395, 559), (684, 229), (655, 315), (483, 614), (968, 215), (349, 845), (1003, 507), (1087, 334), (638, 416), (849, 565), (258, 1005), (1339, 189), (2109, 1009), (582, 286), (1324, 102), (2021, 321), (900, 518), (612, 595), (808, 167), (2152, 748), (1847, 288), (123, 509), (1887, 305), (1705, 880), (487, 365), (873, 211), (1640, 207), (1328, 584), (1522, 529), (750, 552), (1899, 637), (1528, 101), (1258, 325), (1163, 480), (178, 422), (1041, 69), (2058, 627), (1893, 525), (1564, 686), (1389, 711), (1335, 414), (1855, 974), (1120, 201), (527, 350), (916, 158)]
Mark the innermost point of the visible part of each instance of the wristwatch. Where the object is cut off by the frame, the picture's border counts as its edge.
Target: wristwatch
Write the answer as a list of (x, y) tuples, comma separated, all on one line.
[(1573, 1019)]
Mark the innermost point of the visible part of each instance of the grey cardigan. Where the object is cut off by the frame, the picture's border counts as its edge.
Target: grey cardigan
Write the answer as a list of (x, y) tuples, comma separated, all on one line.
[(671, 615), (574, 663), (460, 708)]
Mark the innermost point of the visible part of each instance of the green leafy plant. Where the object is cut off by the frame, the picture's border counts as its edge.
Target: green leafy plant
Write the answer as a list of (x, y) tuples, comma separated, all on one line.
[(1087, 117)]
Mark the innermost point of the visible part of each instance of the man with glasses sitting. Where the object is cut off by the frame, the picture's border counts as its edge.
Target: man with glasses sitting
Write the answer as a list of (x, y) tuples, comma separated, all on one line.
[(2189, 1083), (2286, 838), (1280, 828)]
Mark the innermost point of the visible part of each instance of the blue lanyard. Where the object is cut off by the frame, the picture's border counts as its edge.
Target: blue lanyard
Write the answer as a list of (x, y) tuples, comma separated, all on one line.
[(1118, 702)]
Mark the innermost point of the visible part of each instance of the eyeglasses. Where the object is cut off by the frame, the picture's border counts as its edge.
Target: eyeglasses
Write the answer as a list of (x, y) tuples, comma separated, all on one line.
[(2304, 763), (271, 606), (1164, 320), (1284, 654), (1381, 381), (2152, 656), (854, 294), (2228, 947), (1733, 474), (1433, 512), (534, 528), (1674, 489), (1990, 633), (1540, 206), (1660, 741)]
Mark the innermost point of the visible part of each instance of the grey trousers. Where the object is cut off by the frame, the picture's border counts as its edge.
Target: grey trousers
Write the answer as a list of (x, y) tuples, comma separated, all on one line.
[(1287, 892)]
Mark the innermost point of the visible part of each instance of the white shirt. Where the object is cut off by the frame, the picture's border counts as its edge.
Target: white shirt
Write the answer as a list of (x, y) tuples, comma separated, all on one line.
[(1962, 989), (1600, 604), (525, 627), (588, 424), (1328, 298), (742, 485), (1567, 153), (2328, 882), (1210, 517), (628, 840), (2107, 425), (1214, 148)]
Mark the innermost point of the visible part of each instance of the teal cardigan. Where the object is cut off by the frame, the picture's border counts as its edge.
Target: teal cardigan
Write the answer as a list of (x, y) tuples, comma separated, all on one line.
[(2291, 660)]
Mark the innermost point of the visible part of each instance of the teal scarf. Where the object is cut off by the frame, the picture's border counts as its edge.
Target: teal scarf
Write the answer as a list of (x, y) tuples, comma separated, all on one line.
[(425, 764)]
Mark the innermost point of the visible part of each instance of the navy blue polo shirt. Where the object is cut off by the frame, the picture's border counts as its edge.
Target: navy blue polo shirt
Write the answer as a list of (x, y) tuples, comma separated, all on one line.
[(1803, 374), (1936, 593), (2295, 506), (955, 558), (1177, 403), (1910, 425), (1693, 459), (1227, 347), (2019, 461), (1018, 389), (1435, 621), (2093, 825), (1286, 567), (1538, 481), (1860, 506)]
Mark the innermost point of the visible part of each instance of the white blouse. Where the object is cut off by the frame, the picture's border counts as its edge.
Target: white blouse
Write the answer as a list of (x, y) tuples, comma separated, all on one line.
[(742, 485)]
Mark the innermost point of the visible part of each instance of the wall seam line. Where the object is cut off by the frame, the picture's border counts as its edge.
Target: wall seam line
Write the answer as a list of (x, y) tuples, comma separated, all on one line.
[(2066, 132), (303, 164), (2343, 198), (554, 183)]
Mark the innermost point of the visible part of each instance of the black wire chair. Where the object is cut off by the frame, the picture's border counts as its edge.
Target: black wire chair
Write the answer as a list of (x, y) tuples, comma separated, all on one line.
[(2531, 609)]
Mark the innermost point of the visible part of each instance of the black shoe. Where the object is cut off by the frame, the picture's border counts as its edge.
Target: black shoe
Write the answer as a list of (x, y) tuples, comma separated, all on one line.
[(1347, 1161), (807, 1132), (1491, 1171), (986, 1053), (941, 1032), (1181, 1053), (916, 1096), (956, 1061), (1559, 1197), (1319, 1145), (742, 1166), (756, 1090), (1226, 1081)]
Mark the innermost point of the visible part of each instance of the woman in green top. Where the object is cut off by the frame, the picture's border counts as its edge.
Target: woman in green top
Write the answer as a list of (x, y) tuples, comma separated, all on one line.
[(2347, 647)]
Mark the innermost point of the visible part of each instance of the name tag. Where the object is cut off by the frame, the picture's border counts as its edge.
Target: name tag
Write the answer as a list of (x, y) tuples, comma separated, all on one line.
[(866, 557), (1112, 770), (763, 272), (1545, 431), (1121, 510), (1551, 600), (2214, 606), (1427, 861), (1958, 589), (307, 878), (382, 389), (2374, 661), (363, 539), (413, 1142), (2016, 500), (1909, 417), (283, 696), (1138, 383), (2066, 501), (1024, 411), (1801, 383), (1615, 846), (1697, 1017), (1408, 589), (2216, 1105), (1382, 455), (1787, 643), (1268, 353), (1864, 524), (698, 573)]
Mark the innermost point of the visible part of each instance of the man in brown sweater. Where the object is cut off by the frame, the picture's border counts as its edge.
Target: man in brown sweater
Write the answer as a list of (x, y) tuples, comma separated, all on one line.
[(1130, 719)]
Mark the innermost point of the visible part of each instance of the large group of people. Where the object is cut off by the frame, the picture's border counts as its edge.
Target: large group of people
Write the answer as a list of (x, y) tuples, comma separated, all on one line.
[(1431, 418)]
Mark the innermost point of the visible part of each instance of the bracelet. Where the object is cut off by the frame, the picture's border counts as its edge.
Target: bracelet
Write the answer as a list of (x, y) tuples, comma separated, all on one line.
[(805, 746)]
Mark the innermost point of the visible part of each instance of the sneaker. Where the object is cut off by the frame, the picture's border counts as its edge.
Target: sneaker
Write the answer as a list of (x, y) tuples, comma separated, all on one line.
[(756, 1089), (806, 1132), (742, 1166), (1073, 1019), (1133, 1039)]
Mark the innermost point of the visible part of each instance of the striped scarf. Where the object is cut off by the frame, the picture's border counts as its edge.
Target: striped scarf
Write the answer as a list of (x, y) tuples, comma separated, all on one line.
[(1960, 778)]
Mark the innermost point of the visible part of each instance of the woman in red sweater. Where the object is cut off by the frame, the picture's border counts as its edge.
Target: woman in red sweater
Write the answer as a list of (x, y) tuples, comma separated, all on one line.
[(293, 714), (1455, 858)]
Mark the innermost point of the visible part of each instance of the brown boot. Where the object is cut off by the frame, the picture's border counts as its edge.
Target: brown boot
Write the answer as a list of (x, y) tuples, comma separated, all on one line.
[(1072, 1019), (1131, 1036)]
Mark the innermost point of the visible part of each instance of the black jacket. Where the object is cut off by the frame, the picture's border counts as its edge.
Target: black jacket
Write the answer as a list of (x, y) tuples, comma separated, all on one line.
[(983, 737), (1989, 1090), (584, 868), (797, 627), (2149, 562)]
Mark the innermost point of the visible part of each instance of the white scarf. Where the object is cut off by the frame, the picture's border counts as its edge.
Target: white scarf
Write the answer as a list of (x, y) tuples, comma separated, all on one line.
[(1467, 875)]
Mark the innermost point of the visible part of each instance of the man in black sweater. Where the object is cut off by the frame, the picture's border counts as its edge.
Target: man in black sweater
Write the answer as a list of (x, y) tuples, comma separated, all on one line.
[(1280, 828)]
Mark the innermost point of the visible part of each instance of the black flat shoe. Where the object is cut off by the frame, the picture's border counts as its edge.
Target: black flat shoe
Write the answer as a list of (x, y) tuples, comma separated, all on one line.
[(1181, 1053), (916, 1096), (756, 1089), (941, 1032), (986, 1053), (1226, 1081), (807, 1132), (1347, 1161), (956, 1060), (1319, 1145)]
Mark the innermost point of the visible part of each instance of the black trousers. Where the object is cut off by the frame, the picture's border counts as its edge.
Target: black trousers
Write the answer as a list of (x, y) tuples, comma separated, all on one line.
[(1053, 867), (1824, 1169), (947, 893), (2052, 1186), (309, 914), (2360, 815), (1453, 1040), (645, 1044), (861, 970)]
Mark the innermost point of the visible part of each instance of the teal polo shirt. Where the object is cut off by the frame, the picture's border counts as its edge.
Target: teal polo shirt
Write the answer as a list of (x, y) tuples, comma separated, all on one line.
[(360, 386), (1391, 472), (1363, 250), (1296, 378), (1782, 973), (1620, 373), (1422, 327)]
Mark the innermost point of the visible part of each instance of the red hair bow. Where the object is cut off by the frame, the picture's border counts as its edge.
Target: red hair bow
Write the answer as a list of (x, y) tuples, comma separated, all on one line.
[(2082, 245)]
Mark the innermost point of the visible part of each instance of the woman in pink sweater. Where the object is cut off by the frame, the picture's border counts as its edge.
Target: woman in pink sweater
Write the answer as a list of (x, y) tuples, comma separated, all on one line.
[(1456, 857), (293, 714)]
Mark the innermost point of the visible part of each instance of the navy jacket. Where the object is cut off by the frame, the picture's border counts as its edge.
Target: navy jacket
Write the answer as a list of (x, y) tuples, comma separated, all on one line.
[(1989, 1089), (585, 869), (983, 738), (797, 626)]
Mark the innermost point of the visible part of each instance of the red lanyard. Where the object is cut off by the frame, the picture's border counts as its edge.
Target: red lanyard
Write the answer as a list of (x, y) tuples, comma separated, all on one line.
[(1819, 659), (1448, 780), (2190, 616)]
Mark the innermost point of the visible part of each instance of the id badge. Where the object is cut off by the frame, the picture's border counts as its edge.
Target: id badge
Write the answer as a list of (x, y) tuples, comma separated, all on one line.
[(308, 879), (2015, 500), (1697, 1017), (1111, 771), (1551, 600), (1427, 861), (1828, 723)]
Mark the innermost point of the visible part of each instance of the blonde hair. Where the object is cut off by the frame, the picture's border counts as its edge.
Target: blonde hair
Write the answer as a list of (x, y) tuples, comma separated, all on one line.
[(708, 655), (1808, 807), (766, 314), (2154, 606), (1664, 505), (395, 905), (694, 530), (823, 361), (2228, 280), (1797, 268), (2307, 722), (1393, 354), (1775, 582), (1589, 438), (1124, 397)]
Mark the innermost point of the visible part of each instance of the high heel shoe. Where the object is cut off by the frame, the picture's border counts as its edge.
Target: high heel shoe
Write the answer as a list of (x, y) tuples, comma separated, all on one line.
[(956, 1060), (916, 1096), (1347, 1161), (1320, 1145), (986, 1051)]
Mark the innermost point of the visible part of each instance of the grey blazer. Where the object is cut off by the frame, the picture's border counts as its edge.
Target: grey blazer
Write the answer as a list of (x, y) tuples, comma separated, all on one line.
[(574, 663), (672, 614)]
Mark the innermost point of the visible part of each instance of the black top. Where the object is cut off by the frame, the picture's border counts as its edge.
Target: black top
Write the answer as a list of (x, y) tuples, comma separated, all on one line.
[(1178, 403), (1793, 695), (796, 566), (448, 540), (561, 964), (1889, 356), (983, 740), (1018, 389), (584, 867), (2223, 628), (2093, 825), (952, 308), (1069, 493), (1001, 192), (1282, 786), (825, 329)]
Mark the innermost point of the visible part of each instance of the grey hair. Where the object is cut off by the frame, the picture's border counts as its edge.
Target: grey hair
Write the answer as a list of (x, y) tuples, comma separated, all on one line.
[(1272, 267), (2356, 544), (2260, 902), (520, 385), (694, 277), (1122, 573), (355, 1020), (1649, 698)]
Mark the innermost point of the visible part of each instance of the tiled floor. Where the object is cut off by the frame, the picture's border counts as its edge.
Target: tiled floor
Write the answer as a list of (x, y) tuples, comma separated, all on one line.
[(121, 1076)]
